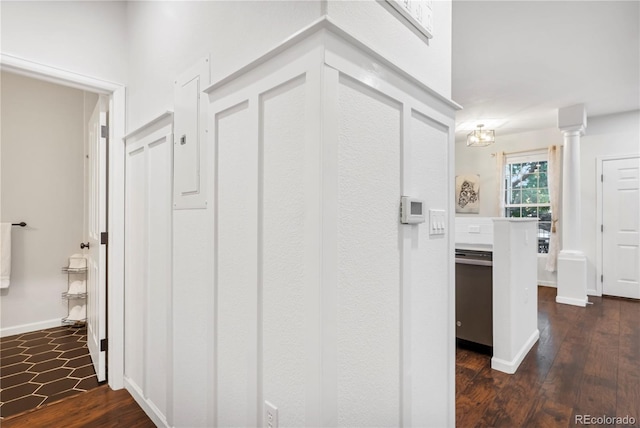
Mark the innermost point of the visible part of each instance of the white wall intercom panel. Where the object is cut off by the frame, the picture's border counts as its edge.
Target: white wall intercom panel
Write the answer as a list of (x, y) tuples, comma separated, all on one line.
[(411, 210)]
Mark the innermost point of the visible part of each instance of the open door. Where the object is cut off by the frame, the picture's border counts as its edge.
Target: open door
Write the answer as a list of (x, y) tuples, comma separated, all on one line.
[(96, 225)]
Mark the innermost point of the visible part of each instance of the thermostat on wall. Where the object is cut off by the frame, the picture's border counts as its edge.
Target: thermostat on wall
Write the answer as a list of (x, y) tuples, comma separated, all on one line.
[(411, 210)]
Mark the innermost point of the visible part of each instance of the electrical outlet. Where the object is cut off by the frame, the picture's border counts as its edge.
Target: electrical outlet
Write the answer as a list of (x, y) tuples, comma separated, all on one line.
[(270, 415), (474, 228)]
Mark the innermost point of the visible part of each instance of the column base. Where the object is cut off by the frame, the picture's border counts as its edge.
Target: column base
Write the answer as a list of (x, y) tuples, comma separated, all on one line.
[(572, 278)]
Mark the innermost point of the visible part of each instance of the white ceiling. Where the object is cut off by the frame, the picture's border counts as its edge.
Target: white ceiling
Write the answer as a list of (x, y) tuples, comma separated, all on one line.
[(516, 62)]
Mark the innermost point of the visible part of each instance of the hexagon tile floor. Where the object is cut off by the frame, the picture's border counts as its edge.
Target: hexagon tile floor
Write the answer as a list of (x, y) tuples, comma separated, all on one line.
[(43, 366)]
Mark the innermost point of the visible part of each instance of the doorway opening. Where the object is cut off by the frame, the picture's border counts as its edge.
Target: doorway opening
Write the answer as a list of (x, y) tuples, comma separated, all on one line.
[(115, 197), (45, 183)]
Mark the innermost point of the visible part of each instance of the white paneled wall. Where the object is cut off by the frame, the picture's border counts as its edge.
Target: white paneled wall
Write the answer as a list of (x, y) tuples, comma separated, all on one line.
[(427, 292), (285, 277), (262, 281), (148, 249), (325, 305), (368, 288), (237, 268)]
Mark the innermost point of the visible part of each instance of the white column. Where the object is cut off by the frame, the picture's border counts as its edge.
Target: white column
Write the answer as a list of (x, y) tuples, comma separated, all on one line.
[(572, 263), (571, 211)]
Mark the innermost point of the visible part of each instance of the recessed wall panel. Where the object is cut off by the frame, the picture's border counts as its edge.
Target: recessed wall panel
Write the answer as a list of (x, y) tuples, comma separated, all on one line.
[(237, 264), (284, 316), (368, 289), (159, 270), (136, 263), (428, 289), (148, 266)]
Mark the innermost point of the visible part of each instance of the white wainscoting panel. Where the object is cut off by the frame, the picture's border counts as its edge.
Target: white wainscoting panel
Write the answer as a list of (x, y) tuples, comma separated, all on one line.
[(284, 273), (368, 289), (324, 304), (427, 162), (237, 263), (148, 272)]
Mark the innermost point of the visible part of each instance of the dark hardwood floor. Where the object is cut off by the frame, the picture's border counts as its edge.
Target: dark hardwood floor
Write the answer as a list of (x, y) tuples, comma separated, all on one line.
[(101, 407), (587, 362)]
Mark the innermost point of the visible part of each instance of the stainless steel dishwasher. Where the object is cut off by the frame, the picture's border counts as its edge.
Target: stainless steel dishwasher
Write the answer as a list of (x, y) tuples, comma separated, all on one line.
[(474, 297)]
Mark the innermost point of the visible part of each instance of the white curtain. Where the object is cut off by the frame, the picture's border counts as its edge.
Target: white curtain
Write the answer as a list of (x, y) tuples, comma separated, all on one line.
[(553, 177), (500, 160)]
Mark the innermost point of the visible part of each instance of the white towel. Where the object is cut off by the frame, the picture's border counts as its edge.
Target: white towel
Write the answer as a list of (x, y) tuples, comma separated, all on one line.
[(77, 261), (5, 255), (78, 313), (78, 287)]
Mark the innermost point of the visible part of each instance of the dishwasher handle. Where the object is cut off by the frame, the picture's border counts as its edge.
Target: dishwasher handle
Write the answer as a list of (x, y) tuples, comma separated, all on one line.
[(474, 262)]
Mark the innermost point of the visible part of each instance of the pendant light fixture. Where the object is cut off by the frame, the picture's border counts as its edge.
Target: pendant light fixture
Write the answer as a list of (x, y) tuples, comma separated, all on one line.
[(481, 137)]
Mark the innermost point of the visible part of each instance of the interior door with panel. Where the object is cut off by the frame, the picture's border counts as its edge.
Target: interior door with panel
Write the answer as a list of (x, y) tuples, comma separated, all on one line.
[(96, 225), (621, 227)]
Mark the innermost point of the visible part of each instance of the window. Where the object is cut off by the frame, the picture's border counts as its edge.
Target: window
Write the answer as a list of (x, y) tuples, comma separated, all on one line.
[(527, 193)]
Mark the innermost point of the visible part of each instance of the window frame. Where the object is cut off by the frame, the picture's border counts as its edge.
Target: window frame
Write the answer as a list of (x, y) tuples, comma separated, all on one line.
[(519, 158)]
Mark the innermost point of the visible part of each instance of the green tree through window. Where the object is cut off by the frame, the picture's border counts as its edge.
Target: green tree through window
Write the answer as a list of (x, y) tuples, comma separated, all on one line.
[(527, 195)]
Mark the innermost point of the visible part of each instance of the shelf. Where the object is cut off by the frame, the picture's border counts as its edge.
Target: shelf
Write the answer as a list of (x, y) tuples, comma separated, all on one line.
[(71, 270), (74, 323), (74, 296)]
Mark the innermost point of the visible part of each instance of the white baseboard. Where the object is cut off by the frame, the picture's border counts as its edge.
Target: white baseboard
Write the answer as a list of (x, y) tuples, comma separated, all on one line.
[(510, 367), (548, 284), (571, 301), (149, 408), (26, 328)]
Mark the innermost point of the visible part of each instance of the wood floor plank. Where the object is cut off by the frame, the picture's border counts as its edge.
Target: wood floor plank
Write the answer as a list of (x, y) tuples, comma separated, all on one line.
[(101, 407), (511, 407), (597, 397), (598, 389), (563, 381), (547, 413), (471, 405), (628, 392)]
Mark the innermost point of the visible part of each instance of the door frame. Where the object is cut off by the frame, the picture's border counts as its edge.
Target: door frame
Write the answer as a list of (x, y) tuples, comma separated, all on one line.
[(599, 216), (115, 196)]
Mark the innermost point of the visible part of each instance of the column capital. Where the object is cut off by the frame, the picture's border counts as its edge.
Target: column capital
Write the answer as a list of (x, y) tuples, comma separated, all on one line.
[(572, 120), (573, 131)]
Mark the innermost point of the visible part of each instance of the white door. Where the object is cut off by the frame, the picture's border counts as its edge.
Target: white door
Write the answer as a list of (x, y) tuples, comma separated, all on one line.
[(96, 224), (621, 227)]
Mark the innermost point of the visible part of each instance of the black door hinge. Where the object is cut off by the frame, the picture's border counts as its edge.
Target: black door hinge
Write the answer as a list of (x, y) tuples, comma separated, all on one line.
[(104, 238), (104, 345), (104, 131)]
